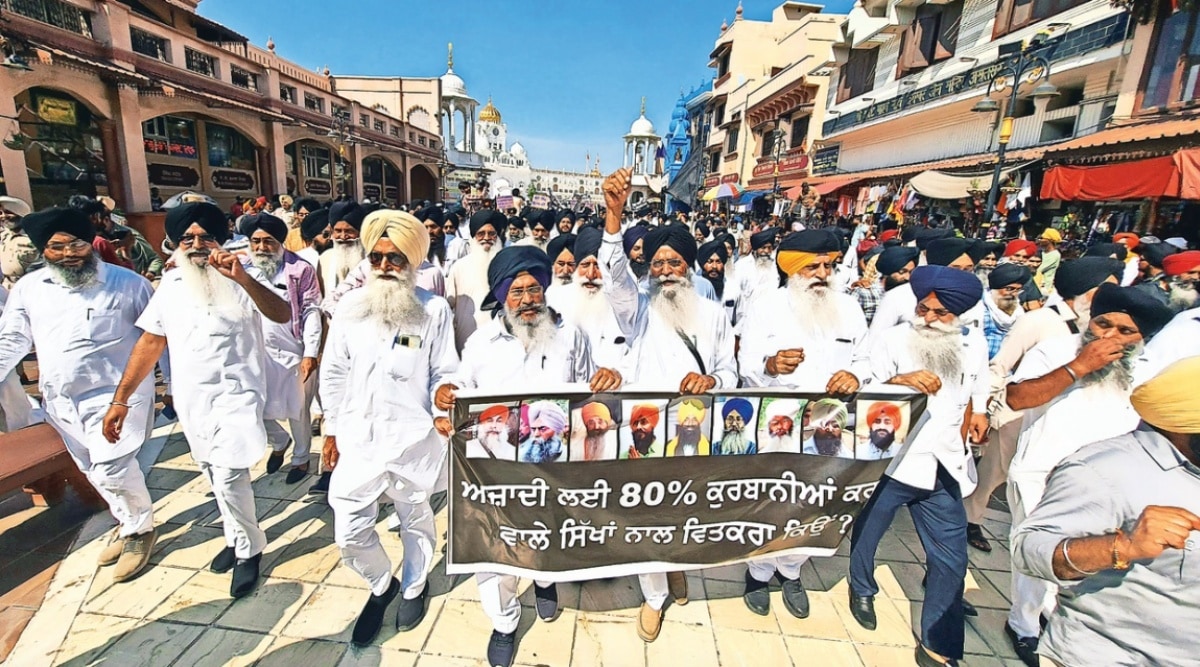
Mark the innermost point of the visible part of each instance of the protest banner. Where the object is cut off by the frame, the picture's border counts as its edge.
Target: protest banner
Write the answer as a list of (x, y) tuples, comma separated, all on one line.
[(574, 485), (541, 201)]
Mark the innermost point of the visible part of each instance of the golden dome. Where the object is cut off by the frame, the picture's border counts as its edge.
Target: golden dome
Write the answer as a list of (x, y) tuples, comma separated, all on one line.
[(489, 113)]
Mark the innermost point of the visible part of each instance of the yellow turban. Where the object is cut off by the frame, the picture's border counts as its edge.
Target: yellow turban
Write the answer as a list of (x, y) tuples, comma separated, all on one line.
[(1169, 400), (691, 409), (791, 261), (402, 229)]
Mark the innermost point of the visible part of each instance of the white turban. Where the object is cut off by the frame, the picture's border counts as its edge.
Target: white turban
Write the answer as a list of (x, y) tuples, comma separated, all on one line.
[(547, 413), (402, 229), (783, 407)]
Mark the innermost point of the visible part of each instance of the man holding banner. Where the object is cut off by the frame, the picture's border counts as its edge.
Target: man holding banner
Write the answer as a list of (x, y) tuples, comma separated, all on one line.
[(521, 349)]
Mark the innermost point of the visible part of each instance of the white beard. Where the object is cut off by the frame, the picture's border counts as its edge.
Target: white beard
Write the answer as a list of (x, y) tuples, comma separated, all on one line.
[(205, 286), (778, 443), (764, 272), (1116, 377), (587, 307), (676, 304), (339, 260), (1082, 306), (495, 440), (267, 262), (391, 304), (938, 348), (1183, 298), (84, 276), (533, 335), (817, 311), (483, 254)]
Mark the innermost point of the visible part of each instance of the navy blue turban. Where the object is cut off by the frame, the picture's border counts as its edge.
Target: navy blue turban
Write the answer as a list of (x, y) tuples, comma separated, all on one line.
[(765, 237), (277, 228), (558, 244), (1008, 274), (924, 237), (895, 258), (488, 216), (1076, 276), (740, 406), (711, 248), (510, 263), (587, 243), (348, 212), (632, 236), (675, 237), (42, 225), (958, 291), (942, 252), (207, 215)]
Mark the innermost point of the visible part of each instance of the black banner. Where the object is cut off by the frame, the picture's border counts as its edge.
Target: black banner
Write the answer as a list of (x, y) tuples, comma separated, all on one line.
[(573, 486), (825, 160)]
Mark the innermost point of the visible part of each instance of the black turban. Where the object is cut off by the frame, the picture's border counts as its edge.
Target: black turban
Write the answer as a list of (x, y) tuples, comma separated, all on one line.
[(908, 234), (1107, 250), (675, 237), (703, 229), (632, 236), (895, 258), (587, 243), (348, 212), (983, 249), (560, 243), (487, 216), (925, 237), (510, 263), (202, 213), (266, 222), (1008, 274), (764, 238), (307, 203), (958, 291), (711, 248), (544, 219), (566, 213), (819, 241), (1155, 253), (433, 213), (1147, 312), (516, 221), (42, 225), (942, 252), (451, 217), (1076, 276), (314, 223)]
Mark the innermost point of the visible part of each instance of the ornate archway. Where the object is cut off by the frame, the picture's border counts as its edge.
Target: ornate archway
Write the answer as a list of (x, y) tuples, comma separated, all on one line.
[(381, 180), (423, 183)]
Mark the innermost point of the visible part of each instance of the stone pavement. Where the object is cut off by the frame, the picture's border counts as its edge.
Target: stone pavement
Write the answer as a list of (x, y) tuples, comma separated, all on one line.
[(178, 613)]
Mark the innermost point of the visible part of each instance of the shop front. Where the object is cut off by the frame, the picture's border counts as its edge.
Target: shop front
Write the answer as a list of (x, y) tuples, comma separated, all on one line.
[(381, 180), (64, 151), (186, 152), (315, 170)]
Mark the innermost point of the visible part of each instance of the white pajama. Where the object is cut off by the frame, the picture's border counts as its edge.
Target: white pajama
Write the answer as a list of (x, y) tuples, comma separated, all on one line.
[(498, 594), (1031, 597), (235, 500), (14, 402), (654, 589), (123, 486), (788, 567)]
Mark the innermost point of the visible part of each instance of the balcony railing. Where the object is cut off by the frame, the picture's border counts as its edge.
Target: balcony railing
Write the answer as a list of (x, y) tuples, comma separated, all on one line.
[(201, 63), (243, 78), (151, 45), (55, 12)]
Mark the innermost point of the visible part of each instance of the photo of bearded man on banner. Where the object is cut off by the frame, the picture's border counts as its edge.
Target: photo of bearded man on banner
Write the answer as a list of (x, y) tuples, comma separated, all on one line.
[(495, 435), (645, 434), (547, 426), (733, 435), (594, 430), (691, 419), (779, 427), (881, 430)]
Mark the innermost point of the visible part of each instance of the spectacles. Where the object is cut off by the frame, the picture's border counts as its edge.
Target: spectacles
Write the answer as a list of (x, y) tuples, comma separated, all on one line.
[(188, 240), (267, 241), (394, 258), (74, 246), (486, 235), (1010, 289), (673, 263), (924, 310), (519, 293)]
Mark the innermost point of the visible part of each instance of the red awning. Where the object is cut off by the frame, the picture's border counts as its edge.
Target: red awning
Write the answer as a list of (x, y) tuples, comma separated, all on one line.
[(823, 187), (1139, 179), (1187, 161)]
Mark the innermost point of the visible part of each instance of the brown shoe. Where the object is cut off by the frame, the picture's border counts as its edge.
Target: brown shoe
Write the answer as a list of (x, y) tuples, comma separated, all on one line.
[(112, 552), (135, 556), (649, 622), (677, 585)]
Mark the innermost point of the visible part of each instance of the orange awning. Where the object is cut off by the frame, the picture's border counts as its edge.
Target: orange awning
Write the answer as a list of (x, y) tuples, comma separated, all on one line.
[(1136, 179)]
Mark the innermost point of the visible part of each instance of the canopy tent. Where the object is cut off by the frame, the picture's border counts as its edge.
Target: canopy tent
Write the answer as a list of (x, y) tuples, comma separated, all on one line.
[(1138, 179), (823, 187), (941, 185), (750, 195)]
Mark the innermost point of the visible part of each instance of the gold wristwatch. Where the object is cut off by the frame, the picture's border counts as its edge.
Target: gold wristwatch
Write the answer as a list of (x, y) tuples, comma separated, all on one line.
[(1119, 562)]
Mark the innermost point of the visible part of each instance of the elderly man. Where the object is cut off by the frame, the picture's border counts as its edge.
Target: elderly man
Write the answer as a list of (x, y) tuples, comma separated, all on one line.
[(208, 309), (643, 420), (315, 236), (899, 304), (390, 346), (935, 355), (689, 440), (540, 226), (492, 433), (1074, 391), (292, 347), (515, 231), (561, 250), (467, 283), (756, 273), (782, 416), (345, 221), (1001, 304), (737, 414), (712, 263), (1183, 269), (547, 423), (584, 304), (1115, 530), (523, 349), (80, 314)]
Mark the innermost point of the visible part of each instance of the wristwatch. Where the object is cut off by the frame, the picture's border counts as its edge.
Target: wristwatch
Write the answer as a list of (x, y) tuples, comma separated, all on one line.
[(1119, 562)]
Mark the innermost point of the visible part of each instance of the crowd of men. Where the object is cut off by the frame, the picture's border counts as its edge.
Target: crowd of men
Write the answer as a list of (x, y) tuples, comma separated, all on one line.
[(1071, 380)]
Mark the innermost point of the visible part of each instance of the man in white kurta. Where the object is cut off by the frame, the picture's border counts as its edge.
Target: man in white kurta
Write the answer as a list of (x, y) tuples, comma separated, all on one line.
[(14, 402), (584, 304), (1178, 340), (390, 345), (208, 310), (898, 304), (79, 312), (467, 281), (808, 336)]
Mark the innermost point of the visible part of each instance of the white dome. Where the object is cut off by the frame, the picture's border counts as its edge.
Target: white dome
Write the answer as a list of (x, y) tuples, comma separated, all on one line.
[(518, 149), (641, 127), (453, 86)]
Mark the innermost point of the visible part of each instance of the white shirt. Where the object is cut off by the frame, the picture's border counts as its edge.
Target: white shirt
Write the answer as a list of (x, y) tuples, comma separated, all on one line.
[(84, 337), (609, 345), (218, 372), (466, 288), (310, 255), (285, 398), (377, 388), (753, 281), (1079, 416), (775, 325), (1178, 340), (937, 437), (494, 359)]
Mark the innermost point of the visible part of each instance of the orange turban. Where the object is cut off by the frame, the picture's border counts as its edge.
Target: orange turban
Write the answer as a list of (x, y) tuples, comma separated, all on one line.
[(645, 411), (890, 409), (596, 410), (1129, 240), (494, 412)]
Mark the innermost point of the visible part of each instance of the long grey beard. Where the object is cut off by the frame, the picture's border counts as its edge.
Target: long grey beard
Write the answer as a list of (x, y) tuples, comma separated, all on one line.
[(1183, 298), (392, 304), (1118, 375), (675, 304), (594, 447), (764, 271), (339, 260), (1082, 305), (267, 262), (587, 307), (483, 254), (734, 442), (816, 310), (75, 278), (937, 347), (209, 288), (533, 335)]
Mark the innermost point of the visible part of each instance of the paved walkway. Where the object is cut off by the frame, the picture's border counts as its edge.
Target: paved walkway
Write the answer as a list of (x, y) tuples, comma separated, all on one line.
[(178, 613)]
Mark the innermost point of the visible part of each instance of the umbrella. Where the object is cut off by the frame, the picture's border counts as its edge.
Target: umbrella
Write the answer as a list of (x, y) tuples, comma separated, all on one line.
[(721, 191)]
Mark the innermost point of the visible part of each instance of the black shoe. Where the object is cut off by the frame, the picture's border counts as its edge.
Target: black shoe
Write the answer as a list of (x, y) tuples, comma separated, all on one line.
[(224, 561), (275, 460), (977, 539), (169, 413), (296, 474), (862, 608), (502, 648), (757, 596), (370, 620), (1025, 647), (245, 576), (322, 486), (546, 601), (316, 427), (967, 608), (795, 598), (926, 660), (410, 613)]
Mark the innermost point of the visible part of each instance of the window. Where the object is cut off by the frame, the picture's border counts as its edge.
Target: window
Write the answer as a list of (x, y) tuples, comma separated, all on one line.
[(379, 126), (316, 161), (227, 148), (1174, 73), (394, 131), (857, 76), (800, 132), (768, 142), (434, 144), (149, 44), (243, 78), (55, 12), (338, 111), (364, 120), (1015, 14), (723, 63), (314, 103), (170, 135), (200, 63), (930, 38), (731, 141), (719, 116), (714, 161), (412, 137), (287, 93)]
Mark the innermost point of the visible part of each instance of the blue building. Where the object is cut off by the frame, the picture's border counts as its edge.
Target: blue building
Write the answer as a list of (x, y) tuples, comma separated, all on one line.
[(681, 139)]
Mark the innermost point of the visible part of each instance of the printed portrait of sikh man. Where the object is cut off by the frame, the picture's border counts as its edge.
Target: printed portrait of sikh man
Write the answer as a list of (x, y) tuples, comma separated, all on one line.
[(492, 436), (827, 419), (547, 423)]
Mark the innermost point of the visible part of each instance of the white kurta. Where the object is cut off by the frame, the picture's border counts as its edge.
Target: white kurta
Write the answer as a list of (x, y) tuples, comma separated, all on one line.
[(899, 304), (285, 395), (775, 326), (377, 390), (494, 359), (218, 373), (84, 339), (466, 288), (1178, 340), (609, 344)]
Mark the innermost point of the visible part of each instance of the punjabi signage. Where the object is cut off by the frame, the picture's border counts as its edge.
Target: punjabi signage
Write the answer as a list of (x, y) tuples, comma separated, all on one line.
[(172, 176), (712, 181), (224, 179), (571, 486), (56, 110), (371, 190), (541, 201), (825, 159), (788, 165), (316, 187)]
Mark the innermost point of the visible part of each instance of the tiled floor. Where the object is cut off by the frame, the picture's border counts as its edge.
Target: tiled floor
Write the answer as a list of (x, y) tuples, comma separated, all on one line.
[(178, 613)]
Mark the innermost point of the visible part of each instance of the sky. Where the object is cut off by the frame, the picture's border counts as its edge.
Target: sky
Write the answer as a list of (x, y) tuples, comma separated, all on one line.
[(567, 75)]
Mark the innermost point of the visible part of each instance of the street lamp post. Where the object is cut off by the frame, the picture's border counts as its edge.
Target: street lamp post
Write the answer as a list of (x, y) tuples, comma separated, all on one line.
[(340, 131), (1026, 65)]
